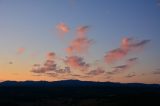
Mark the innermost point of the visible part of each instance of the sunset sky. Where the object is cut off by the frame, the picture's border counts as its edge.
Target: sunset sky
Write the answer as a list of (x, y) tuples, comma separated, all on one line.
[(93, 40)]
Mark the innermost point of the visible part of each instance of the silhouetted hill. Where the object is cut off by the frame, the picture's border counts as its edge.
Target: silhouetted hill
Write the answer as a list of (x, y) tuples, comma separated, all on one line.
[(77, 93), (74, 83)]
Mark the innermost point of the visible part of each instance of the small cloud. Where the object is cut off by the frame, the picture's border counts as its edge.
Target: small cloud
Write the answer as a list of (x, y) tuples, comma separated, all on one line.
[(65, 70), (120, 68), (62, 28), (110, 73), (143, 74), (130, 75), (51, 56), (10, 62), (82, 30), (49, 65), (77, 63), (133, 59), (157, 71), (140, 44), (21, 50), (38, 69), (52, 74), (97, 71), (130, 62), (126, 42)]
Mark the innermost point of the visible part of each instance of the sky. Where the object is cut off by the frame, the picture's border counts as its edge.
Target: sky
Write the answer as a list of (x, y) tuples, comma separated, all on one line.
[(89, 40)]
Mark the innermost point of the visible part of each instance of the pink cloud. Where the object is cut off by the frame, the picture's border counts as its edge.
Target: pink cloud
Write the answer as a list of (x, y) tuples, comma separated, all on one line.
[(115, 55), (62, 28), (49, 66), (79, 45), (77, 63), (82, 30), (51, 56), (21, 50), (127, 45)]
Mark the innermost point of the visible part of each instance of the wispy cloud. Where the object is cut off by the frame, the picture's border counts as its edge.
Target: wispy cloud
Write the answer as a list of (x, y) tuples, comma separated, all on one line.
[(127, 45), (140, 44), (130, 62), (62, 28), (157, 71), (130, 75), (121, 68), (97, 71), (82, 30), (51, 74), (79, 76)]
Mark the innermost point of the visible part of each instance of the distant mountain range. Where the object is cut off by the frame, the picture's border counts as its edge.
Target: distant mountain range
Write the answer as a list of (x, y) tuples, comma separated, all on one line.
[(74, 83), (77, 93)]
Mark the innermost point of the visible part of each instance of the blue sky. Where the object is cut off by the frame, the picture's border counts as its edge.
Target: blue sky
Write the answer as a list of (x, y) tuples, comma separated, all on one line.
[(31, 24)]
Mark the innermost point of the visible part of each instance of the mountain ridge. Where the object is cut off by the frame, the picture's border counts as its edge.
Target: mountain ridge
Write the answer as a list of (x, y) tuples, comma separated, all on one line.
[(73, 83)]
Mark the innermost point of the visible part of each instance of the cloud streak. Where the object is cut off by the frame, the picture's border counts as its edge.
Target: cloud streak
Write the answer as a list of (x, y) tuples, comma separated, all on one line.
[(157, 72), (130, 75), (115, 55), (82, 30), (97, 71), (127, 45), (121, 68)]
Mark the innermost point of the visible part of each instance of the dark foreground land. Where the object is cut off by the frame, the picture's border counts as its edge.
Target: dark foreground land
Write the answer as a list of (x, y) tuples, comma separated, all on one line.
[(77, 93)]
